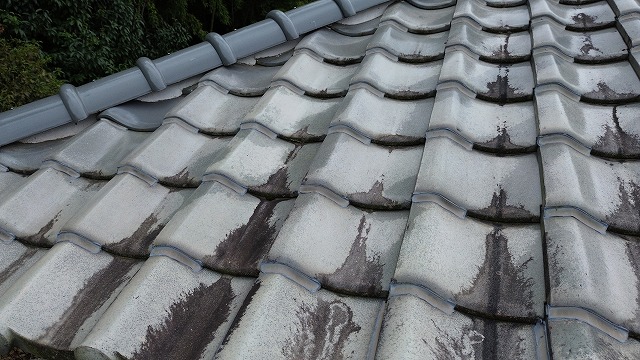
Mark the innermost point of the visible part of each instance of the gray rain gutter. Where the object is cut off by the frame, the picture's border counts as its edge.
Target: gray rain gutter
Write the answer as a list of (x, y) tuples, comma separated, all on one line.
[(77, 103)]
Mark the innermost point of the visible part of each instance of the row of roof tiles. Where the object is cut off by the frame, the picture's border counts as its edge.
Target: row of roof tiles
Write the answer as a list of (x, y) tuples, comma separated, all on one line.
[(260, 171)]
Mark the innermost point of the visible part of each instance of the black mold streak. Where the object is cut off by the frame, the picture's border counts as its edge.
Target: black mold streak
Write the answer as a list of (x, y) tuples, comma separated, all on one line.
[(39, 239), (137, 245), (501, 91), (241, 312), (358, 275), (502, 143), (14, 266), (500, 211), (615, 142), (501, 287), (503, 52), (96, 292), (323, 332), (181, 179), (191, 323), (633, 254), (583, 20), (244, 247), (587, 46), (625, 219), (606, 95), (374, 198)]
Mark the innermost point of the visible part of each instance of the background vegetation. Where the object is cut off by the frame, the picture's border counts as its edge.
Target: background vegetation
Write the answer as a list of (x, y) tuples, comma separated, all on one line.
[(44, 43)]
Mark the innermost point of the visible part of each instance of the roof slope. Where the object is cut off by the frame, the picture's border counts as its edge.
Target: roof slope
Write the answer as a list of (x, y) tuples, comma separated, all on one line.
[(422, 180)]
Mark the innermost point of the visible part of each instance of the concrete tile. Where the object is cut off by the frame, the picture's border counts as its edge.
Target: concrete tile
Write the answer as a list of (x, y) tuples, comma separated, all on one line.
[(263, 165), (35, 211), (370, 176), (509, 47), (496, 270), (347, 250), (386, 121), (333, 47), (511, 19), (213, 110), (419, 21), (69, 288), (176, 155), (167, 311), (241, 79), (413, 329), (486, 186), (573, 339), (282, 320), (407, 46), (125, 216), (15, 260), (584, 17), (224, 230)]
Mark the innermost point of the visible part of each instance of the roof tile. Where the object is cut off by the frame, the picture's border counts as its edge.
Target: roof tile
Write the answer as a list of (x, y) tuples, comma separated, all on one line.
[(142, 211), (584, 17), (417, 20), (186, 314), (577, 340), (370, 176), (407, 46), (510, 47), (333, 47), (15, 260), (224, 230), (494, 19), (356, 254), (497, 270), (241, 79), (310, 325), (487, 186)]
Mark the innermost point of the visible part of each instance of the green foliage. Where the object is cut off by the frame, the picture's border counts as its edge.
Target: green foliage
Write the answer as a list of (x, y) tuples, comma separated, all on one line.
[(90, 39), (23, 74)]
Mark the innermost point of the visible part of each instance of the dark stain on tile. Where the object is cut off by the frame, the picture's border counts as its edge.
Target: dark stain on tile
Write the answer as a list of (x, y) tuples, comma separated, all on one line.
[(500, 288), (584, 21), (244, 247), (278, 185), (181, 179), (410, 95), (626, 218), (343, 61), (587, 46), (97, 290), (615, 142), (39, 239), (398, 140), (137, 245), (373, 199), (325, 94), (241, 312), (483, 339), (502, 143), (633, 254), (503, 51), (16, 264), (418, 58), (303, 135), (498, 210), (191, 323), (605, 94), (557, 253), (358, 275), (323, 331), (501, 91)]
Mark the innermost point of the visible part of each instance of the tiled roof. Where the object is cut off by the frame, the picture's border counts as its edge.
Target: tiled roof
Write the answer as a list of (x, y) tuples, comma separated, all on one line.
[(425, 179)]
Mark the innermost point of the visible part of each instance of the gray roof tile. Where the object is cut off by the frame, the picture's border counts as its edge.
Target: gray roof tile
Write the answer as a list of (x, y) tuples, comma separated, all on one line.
[(631, 28), (413, 329), (388, 121), (356, 254), (263, 165), (15, 260), (595, 271), (623, 7), (510, 47), (418, 20), (431, 4), (333, 47), (511, 19), (310, 324), (328, 80), (213, 110), (608, 83), (80, 285), (226, 231), (584, 17), (10, 181), (608, 130), (176, 155), (167, 311), (26, 158), (370, 176), (592, 46), (606, 190), (407, 46), (487, 186), (398, 80), (507, 128), (499, 83), (573, 339), (496, 270), (241, 79), (275, 56), (139, 115), (97, 151), (142, 210), (36, 210), (292, 115)]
